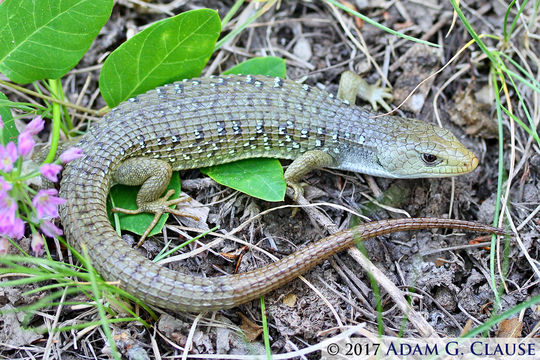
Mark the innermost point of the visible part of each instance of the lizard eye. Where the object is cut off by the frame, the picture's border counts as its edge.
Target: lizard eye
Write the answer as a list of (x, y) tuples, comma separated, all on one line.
[(429, 159)]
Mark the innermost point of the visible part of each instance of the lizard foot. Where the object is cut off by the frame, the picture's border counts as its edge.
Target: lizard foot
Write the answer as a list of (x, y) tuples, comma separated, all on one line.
[(298, 188), (157, 207)]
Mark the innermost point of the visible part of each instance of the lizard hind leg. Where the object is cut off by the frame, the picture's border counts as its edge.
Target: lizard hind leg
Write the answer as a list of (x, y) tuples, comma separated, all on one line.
[(153, 175)]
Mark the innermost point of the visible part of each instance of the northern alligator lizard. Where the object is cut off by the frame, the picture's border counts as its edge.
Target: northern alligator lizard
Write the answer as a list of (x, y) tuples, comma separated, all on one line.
[(203, 122)]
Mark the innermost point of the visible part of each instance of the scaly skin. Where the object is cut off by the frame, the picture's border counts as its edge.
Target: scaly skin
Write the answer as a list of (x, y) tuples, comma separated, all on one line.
[(204, 122)]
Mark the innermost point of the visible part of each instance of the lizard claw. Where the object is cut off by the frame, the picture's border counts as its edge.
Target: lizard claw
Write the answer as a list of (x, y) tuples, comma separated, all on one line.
[(157, 207), (298, 189)]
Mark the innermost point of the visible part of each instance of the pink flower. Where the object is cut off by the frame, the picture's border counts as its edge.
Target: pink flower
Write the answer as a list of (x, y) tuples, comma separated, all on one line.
[(4, 187), (46, 203), (8, 212), (49, 229), (17, 229), (8, 155), (34, 126), (71, 154), (25, 143), (10, 224), (37, 243), (50, 171)]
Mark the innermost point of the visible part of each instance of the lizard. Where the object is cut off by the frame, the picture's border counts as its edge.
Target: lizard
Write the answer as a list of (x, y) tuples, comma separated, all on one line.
[(208, 121)]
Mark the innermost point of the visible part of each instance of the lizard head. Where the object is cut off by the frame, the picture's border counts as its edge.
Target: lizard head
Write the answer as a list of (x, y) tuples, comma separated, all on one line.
[(424, 150)]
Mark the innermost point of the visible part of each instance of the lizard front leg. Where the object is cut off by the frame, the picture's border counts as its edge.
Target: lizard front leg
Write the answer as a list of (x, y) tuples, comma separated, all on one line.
[(302, 165), (352, 85)]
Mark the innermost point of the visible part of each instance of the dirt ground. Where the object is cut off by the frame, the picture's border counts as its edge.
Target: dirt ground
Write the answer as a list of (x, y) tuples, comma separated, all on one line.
[(445, 275)]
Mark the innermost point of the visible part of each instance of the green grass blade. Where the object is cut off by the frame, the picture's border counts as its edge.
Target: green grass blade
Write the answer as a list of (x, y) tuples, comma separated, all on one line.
[(380, 26)]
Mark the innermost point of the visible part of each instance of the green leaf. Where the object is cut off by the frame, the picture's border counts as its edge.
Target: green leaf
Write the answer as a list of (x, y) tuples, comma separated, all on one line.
[(43, 39), (9, 132), (125, 197), (269, 66), (169, 50), (261, 178)]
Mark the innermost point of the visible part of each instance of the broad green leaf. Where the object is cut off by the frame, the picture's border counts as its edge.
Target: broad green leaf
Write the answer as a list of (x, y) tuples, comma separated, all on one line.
[(261, 178), (42, 39), (9, 132), (169, 50), (269, 66), (125, 197)]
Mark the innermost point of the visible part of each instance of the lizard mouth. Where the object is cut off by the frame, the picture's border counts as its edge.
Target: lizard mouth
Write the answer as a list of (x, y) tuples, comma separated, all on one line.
[(464, 166), (470, 164), (474, 163)]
